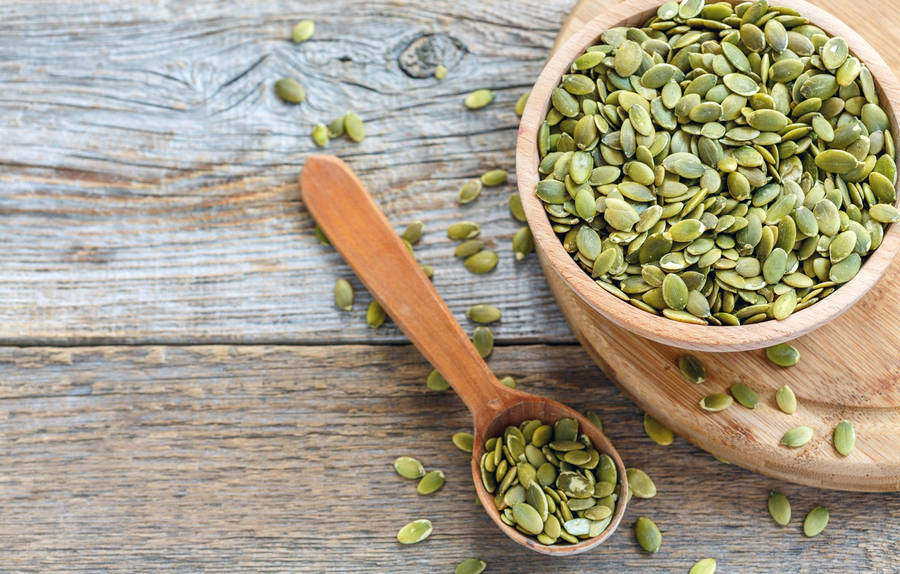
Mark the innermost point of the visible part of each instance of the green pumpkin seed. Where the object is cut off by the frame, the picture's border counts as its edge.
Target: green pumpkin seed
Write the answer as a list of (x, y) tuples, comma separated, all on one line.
[(290, 91), (408, 467), (628, 58), (375, 315), (692, 369), (674, 291), (303, 31), (320, 135), (494, 177), (515, 207), (469, 191), (479, 99), (413, 232), (481, 262), (523, 243), (468, 247), (834, 53), (744, 395), (716, 402), (483, 339), (483, 314), (783, 355), (705, 566), (844, 438), (354, 127), (431, 482), (508, 382), (415, 531), (884, 213), (470, 566), (521, 103), (436, 382), (657, 432), (343, 294), (440, 72), (815, 522), (779, 508), (836, 161), (797, 437), (528, 518), (640, 483), (463, 230), (786, 400), (647, 534)]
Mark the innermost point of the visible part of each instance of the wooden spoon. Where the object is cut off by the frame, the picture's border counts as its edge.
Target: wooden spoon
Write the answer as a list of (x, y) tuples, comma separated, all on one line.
[(359, 230)]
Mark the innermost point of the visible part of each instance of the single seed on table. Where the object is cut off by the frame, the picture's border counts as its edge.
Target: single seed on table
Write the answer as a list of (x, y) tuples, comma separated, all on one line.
[(656, 431), (320, 135), (415, 531), (428, 270), (436, 382), (797, 437), (469, 192), (479, 99), (481, 262), (744, 395), (786, 400), (483, 314), (494, 177), (844, 438), (408, 467), (815, 522), (508, 382), (640, 484), (705, 566), (779, 508), (303, 31), (290, 90), (375, 315), (483, 339), (521, 103), (463, 230), (343, 294), (470, 566), (354, 127), (440, 72), (336, 127), (431, 482), (468, 247), (515, 207), (783, 355), (464, 441), (413, 232), (647, 534), (716, 402), (691, 368), (523, 243)]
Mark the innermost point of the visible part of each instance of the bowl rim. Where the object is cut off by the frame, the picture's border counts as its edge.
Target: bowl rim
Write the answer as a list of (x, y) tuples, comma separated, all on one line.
[(556, 260)]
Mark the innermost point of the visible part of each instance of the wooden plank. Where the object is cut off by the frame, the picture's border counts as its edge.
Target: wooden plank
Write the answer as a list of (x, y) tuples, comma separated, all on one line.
[(148, 174), (278, 458)]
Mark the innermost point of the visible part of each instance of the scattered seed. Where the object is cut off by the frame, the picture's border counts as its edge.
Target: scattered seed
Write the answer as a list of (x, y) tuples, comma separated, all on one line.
[(463, 230), (521, 103), (413, 232), (705, 566), (640, 484), (436, 382), (320, 135), (716, 402), (515, 207), (408, 467), (470, 566), (844, 438), (595, 420), (469, 191), (479, 99), (647, 534), (779, 508), (464, 441), (343, 294), (509, 382), (692, 369), (744, 395), (431, 482), (484, 314), (483, 339), (786, 400), (354, 127), (482, 262), (290, 90), (783, 355), (494, 177), (468, 247), (797, 437), (303, 31), (523, 243), (815, 522), (656, 431), (375, 315), (440, 72), (415, 531)]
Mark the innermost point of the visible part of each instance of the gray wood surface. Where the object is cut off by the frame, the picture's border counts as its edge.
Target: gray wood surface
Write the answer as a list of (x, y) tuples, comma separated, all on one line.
[(279, 458), (148, 173)]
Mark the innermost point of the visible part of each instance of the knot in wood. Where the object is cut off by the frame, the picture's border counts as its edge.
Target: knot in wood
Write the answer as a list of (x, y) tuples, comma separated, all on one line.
[(420, 58)]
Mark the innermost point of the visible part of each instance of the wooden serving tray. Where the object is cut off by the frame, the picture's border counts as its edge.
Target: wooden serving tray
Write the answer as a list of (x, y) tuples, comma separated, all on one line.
[(849, 369)]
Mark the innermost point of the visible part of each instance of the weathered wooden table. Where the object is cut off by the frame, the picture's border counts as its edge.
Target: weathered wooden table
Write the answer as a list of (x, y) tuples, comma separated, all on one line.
[(178, 391)]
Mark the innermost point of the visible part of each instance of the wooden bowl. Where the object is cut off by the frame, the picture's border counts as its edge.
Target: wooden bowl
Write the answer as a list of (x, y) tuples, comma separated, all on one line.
[(564, 275)]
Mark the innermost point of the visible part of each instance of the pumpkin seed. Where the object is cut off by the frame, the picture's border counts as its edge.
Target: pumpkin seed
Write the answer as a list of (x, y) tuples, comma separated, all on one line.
[(483, 339), (415, 531), (463, 230), (482, 262), (413, 232), (431, 482), (515, 207), (744, 395), (783, 355), (640, 484), (354, 127), (479, 99), (436, 382), (440, 71), (494, 177), (483, 314), (691, 368), (343, 294), (523, 243), (647, 534), (408, 467), (320, 135), (797, 437), (705, 566), (521, 103), (470, 566), (464, 441), (508, 382), (375, 315), (656, 431), (290, 91), (844, 438), (786, 400), (469, 191), (815, 522), (716, 402), (779, 508), (303, 31)]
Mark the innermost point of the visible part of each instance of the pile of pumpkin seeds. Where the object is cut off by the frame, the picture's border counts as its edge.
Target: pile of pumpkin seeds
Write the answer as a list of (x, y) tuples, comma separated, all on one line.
[(549, 482), (719, 165)]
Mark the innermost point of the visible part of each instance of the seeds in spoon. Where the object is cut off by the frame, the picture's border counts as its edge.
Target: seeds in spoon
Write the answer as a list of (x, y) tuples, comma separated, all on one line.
[(415, 531)]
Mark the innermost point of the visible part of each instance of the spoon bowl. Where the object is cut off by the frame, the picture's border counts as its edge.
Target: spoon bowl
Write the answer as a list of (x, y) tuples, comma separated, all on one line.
[(359, 230)]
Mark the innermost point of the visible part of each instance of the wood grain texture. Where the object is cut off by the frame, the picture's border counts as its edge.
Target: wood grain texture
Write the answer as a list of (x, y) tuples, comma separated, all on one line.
[(264, 459), (148, 173), (598, 302), (862, 385)]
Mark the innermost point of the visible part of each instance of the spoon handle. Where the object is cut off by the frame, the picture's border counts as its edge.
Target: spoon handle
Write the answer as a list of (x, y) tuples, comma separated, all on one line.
[(359, 230)]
